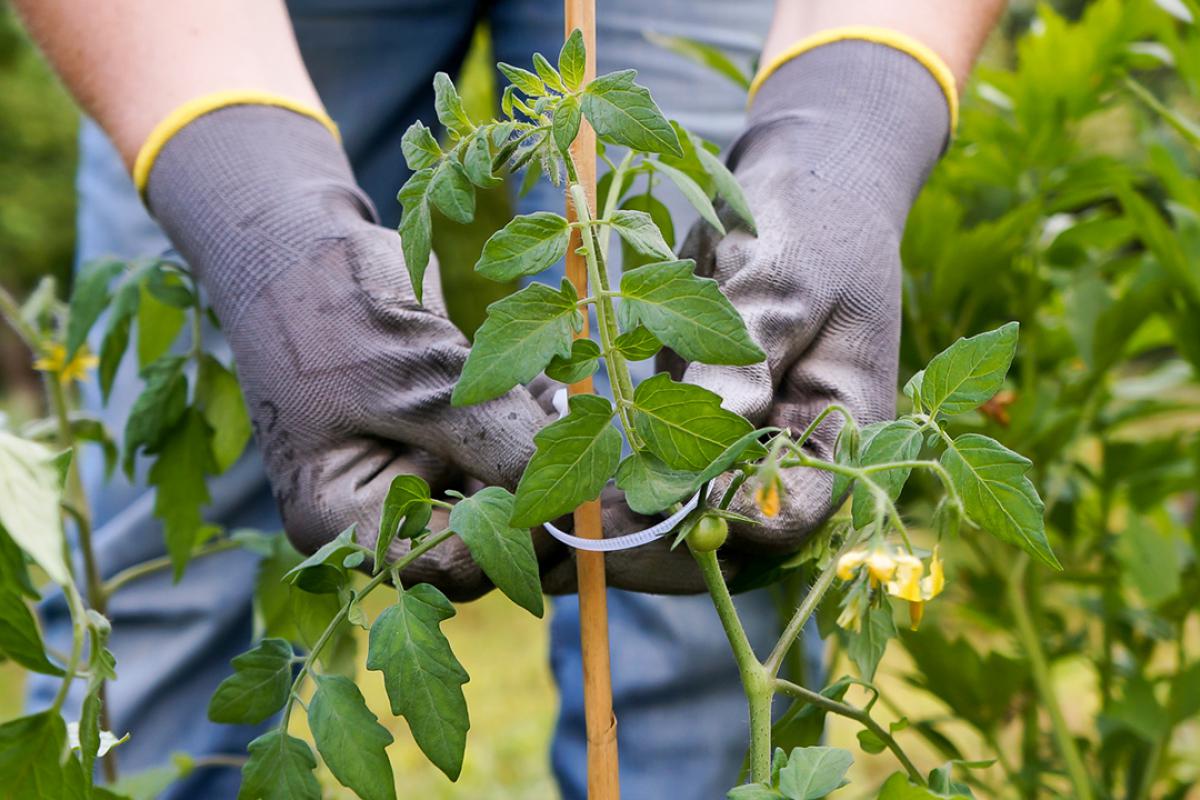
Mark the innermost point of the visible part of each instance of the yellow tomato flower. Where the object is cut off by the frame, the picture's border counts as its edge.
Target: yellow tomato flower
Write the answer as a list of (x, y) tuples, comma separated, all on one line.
[(907, 585), (915, 612), (933, 584), (54, 360), (848, 564), (881, 565), (766, 496)]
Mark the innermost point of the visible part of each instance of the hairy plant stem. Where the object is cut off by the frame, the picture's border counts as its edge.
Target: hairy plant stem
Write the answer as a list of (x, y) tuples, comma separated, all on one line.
[(618, 369), (1028, 637), (10, 309), (858, 715), (306, 667), (796, 624), (756, 682), (81, 513)]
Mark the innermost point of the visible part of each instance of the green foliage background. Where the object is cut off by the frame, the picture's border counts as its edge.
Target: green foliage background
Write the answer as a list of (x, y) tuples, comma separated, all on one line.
[(1060, 211)]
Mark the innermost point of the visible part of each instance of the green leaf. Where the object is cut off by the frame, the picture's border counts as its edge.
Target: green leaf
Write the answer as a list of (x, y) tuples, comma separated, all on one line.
[(968, 372), (895, 441), (350, 739), (548, 73), (504, 553), (477, 162), (688, 313), (727, 185), (20, 638), (258, 687), (158, 327), (416, 228), (31, 749), (703, 54), (150, 784), (898, 787), (997, 494), (650, 485), (180, 488), (870, 742), (14, 574), (583, 361), (640, 232), (661, 215), (566, 122), (324, 571), (419, 147), (157, 409), (89, 298), (408, 499), (868, 644), (527, 245), (572, 60), (449, 106), (30, 495), (219, 398), (754, 791), (623, 112), (684, 425), (116, 333), (421, 674), (813, 772), (523, 79), (451, 192), (521, 334), (280, 768), (638, 344), (575, 457), (691, 192)]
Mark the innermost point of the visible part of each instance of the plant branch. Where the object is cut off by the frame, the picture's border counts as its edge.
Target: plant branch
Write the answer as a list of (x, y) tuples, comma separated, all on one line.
[(858, 715), (807, 606), (306, 667), (10, 309), (157, 564)]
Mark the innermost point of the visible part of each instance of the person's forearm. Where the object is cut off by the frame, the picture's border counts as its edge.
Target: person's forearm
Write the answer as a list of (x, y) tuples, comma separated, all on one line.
[(954, 29), (130, 63)]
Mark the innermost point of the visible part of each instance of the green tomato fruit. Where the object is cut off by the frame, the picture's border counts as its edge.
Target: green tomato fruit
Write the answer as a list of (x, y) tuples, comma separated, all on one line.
[(707, 534)]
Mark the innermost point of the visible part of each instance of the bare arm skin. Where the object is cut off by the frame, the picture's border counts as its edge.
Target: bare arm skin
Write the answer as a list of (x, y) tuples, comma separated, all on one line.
[(954, 29), (129, 63)]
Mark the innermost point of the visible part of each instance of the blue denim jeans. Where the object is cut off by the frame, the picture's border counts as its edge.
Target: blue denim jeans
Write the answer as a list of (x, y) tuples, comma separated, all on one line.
[(676, 690)]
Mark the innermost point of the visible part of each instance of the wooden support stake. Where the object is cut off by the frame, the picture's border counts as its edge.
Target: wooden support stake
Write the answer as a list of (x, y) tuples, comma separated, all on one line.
[(593, 602)]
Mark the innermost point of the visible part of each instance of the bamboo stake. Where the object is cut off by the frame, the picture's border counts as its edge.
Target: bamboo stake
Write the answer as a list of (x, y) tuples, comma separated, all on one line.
[(593, 602)]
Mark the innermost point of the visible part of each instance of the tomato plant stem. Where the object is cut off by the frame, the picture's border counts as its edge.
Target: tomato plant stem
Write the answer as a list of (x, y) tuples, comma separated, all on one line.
[(158, 564), (755, 679), (1028, 637), (618, 370)]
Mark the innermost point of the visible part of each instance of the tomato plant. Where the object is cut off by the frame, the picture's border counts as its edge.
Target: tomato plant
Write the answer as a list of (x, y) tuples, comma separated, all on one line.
[(1037, 213)]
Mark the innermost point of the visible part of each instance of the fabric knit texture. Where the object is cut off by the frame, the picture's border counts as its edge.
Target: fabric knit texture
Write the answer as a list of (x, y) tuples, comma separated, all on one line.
[(838, 144), (347, 378)]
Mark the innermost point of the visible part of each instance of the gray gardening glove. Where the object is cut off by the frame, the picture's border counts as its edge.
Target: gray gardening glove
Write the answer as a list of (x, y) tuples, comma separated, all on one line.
[(839, 142), (347, 378)]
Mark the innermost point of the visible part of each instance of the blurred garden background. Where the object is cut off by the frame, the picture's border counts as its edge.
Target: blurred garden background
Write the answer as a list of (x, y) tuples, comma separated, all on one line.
[(1070, 202)]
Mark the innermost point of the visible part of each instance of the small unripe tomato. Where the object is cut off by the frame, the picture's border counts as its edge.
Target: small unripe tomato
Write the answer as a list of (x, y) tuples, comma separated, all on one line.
[(707, 534)]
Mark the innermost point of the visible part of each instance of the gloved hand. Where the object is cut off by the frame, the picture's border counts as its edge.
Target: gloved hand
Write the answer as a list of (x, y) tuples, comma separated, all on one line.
[(839, 141), (346, 377)]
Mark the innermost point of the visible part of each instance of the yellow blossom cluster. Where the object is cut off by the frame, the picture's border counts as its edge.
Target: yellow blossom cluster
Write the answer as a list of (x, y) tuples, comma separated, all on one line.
[(900, 574), (54, 360)]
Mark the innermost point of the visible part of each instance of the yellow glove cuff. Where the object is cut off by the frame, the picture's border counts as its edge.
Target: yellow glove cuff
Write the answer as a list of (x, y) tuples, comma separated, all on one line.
[(894, 39), (198, 107)]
